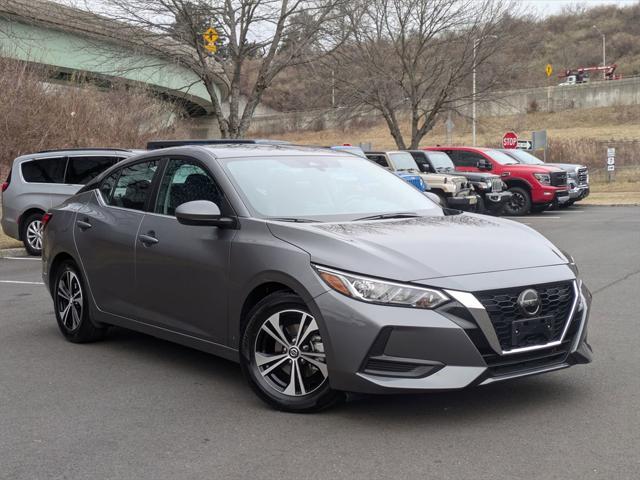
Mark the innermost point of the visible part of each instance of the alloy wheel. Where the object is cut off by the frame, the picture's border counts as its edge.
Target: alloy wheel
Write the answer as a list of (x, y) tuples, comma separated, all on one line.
[(34, 235), (289, 353), (69, 300)]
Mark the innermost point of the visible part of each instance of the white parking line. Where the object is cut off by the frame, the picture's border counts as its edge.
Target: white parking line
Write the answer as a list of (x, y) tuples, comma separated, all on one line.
[(22, 258), (20, 282), (534, 218)]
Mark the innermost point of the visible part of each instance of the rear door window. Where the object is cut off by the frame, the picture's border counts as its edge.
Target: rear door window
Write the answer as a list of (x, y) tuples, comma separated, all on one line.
[(379, 159), (82, 169), (465, 159), (132, 186), (44, 170)]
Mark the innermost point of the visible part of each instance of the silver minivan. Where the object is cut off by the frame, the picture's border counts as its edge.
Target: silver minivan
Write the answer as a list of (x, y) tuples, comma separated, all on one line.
[(45, 179)]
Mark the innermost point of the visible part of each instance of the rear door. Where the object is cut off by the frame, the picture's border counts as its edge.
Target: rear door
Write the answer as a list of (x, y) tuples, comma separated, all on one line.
[(106, 230), (182, 270)]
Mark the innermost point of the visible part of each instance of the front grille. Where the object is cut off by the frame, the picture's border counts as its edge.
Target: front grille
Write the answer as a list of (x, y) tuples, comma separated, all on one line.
[(583, 176), (502, 307), (415, 181), (496, 185), (559, 179)]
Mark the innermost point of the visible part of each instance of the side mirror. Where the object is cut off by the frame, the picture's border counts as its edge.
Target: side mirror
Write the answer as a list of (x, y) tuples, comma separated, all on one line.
[(434, 198), (484, 164), (203, 213)]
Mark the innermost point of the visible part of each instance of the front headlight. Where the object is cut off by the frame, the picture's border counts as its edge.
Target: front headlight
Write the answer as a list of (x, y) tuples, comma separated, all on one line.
[(543, 178), (488, 184), (573, 174), (381, 291)]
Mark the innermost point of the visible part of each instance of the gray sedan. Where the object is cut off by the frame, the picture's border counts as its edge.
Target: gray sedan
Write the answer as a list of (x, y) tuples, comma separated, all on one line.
[(320, 272)]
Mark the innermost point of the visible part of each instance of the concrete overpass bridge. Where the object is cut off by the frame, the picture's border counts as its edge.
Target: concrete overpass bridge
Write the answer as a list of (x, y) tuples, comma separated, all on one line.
[(76, 42)]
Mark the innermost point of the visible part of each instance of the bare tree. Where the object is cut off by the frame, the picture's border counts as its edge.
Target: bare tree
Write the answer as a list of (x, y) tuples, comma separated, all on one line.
[(258, 40), (415, 57)]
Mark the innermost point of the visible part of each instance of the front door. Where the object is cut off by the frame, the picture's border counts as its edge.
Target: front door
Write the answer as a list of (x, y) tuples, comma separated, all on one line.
[(182, 270), (105, 232)]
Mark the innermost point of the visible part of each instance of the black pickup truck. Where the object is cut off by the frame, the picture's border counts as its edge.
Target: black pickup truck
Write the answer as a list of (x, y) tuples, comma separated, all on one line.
[(489, 187)]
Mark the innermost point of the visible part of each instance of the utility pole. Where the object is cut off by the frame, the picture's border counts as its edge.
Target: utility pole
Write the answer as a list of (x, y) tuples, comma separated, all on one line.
[(333, 89), (476, 42), (604, 51)]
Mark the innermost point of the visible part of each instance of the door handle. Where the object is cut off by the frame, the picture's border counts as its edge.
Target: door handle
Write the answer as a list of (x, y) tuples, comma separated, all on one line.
[(148, 240), (83, 224)]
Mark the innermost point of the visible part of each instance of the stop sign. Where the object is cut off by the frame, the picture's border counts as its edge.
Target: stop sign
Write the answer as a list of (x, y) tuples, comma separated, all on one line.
[(510, 140)]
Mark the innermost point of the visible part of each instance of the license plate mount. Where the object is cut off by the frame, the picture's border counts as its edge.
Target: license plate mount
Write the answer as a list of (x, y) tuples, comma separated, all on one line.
[(536, 330)]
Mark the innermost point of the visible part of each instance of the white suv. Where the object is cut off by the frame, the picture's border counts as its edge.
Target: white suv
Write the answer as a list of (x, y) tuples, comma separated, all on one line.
[(45, 179)]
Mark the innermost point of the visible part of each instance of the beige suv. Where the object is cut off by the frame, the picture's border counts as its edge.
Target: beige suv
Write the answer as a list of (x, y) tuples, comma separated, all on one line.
[(454, 191)]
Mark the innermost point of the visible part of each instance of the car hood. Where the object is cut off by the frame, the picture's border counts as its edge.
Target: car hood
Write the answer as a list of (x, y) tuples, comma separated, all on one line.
[(422, 248), (569, 167)]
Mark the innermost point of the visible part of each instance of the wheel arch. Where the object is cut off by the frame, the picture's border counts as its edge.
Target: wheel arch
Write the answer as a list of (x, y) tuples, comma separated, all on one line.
[(518, 182), (58, 260), (261, 287), (26, 214)]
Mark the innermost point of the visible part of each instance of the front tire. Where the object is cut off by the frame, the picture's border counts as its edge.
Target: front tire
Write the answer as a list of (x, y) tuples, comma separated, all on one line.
[(520, 202), (283, 357), (71, 306), (32, 234)]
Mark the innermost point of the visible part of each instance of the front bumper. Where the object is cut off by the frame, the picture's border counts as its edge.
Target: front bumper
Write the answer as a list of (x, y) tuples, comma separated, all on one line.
[(384, 349), (466, 203), (579, 192), (498, 198)]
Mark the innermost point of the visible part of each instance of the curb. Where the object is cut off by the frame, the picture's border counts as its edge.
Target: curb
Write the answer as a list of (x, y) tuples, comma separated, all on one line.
[(13, 252)]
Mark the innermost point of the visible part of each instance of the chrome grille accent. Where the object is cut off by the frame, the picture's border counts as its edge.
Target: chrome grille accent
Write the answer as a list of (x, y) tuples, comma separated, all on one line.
[(583, 176), (496, 185)]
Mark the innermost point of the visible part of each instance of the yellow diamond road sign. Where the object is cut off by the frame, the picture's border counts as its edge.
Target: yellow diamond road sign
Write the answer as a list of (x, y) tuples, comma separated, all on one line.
[(211, 35), (549, 70), (211, 47)]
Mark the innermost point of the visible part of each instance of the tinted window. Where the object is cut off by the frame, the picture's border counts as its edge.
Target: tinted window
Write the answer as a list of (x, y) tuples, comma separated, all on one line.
[(82, 169), (133, 185), (465, 159), (379, 159), (501, 158), (183, 182), (46, 170)]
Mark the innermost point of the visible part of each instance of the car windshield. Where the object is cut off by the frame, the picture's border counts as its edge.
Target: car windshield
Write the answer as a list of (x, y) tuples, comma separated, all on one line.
[(323, 188), (441, 161), (403, 161), (501, 158), (525, 157)]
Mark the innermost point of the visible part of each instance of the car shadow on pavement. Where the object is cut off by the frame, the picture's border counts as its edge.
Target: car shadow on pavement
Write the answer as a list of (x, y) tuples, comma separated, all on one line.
[(478, 403), (550, 391)]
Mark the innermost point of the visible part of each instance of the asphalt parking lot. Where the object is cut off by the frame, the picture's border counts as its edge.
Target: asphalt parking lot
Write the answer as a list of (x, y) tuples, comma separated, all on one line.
[(137, 407)]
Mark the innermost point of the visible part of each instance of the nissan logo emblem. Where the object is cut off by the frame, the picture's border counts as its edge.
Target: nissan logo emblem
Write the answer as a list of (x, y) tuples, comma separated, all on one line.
[(529, 302)]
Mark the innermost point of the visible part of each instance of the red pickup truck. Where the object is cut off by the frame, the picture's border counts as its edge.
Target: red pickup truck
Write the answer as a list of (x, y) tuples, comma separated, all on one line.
[(534, 188)]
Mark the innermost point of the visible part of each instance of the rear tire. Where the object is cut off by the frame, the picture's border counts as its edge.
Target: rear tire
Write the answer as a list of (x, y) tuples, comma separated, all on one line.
[(71, 306), (520, 202), (282, 356), (32, 234)]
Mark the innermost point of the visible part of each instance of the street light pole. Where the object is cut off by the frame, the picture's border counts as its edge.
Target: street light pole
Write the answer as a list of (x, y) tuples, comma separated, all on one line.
[(604, 51), (473, 96), (476, 42)]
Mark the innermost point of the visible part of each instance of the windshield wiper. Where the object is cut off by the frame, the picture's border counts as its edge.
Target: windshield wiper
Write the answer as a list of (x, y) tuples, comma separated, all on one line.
[(293, 219), (384, 216)]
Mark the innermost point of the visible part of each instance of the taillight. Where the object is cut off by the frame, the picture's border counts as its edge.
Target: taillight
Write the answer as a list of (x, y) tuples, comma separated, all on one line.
[(5, 185), (45, 219)]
